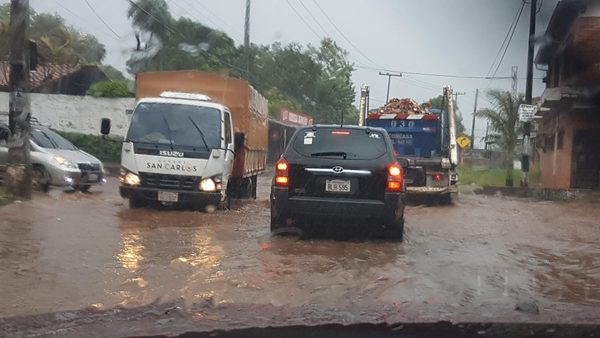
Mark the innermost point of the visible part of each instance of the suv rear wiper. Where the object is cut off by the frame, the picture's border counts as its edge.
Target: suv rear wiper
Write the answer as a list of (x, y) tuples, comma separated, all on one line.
[(330, 153)]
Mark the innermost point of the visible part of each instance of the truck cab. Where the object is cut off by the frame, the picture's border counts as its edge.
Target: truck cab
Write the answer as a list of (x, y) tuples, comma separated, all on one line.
[(179, 148)]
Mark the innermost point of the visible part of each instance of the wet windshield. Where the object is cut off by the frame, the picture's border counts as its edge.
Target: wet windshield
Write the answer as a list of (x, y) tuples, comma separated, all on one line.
[(176, 125), (46, 138), (338, 142), (308, 163)]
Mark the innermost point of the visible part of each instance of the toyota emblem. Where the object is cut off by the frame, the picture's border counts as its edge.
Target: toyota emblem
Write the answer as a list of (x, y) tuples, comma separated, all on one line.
[(337, 169)]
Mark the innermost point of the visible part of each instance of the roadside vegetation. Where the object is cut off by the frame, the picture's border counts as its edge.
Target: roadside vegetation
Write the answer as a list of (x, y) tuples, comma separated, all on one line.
[(493, 177), (5, 196), (104, 149)]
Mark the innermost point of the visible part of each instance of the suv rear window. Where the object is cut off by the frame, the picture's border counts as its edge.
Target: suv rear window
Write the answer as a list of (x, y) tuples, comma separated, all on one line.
[(340, 142)]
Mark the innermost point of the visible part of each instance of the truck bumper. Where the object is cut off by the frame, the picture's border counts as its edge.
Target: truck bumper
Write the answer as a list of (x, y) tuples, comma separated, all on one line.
[(431, 190), (184, 196)]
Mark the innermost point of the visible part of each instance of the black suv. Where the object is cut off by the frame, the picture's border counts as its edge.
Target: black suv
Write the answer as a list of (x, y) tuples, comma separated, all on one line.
[(335, 172)]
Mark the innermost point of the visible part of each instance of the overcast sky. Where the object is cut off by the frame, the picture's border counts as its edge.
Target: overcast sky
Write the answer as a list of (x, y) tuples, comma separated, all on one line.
[(459, 37)]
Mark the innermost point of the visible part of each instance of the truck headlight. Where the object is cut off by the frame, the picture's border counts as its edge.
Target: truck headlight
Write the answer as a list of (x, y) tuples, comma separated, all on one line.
[(64, 162), (208, 184), (130, 179)]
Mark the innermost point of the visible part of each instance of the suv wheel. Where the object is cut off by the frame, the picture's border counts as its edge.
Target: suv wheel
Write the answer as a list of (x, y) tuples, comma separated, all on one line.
[(395, 229)]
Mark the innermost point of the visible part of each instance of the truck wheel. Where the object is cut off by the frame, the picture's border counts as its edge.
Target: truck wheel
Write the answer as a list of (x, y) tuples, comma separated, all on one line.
[(136, 202), (395, 229), (226, 203)]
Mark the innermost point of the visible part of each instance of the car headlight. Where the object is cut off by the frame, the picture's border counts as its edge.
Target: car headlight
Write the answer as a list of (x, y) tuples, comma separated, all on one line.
[(208, 184), (64, 162), (130, 179)]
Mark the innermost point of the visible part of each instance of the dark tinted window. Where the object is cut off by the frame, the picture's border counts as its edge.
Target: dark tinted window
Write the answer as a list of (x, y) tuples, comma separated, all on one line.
[(228, 139), (176, 124), (340, 142), (46, 138)]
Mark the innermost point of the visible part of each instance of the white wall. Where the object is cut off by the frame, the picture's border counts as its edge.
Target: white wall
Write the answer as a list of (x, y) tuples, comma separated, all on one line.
[(80, 114)]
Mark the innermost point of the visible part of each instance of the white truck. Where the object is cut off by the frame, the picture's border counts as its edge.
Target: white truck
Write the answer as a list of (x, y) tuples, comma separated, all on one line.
[(194, 138)]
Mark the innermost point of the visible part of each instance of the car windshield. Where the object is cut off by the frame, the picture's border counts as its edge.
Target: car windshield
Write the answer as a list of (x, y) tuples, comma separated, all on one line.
[(176, 125), (319, 164), (340, 142), (47, 138)]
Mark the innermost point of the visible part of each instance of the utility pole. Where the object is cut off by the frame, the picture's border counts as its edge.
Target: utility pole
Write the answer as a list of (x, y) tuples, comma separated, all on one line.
[(514, 77), (456, 98), (247, 39), (389, 75), (19, 162), (364, 104), (473, 123), (528, 94)]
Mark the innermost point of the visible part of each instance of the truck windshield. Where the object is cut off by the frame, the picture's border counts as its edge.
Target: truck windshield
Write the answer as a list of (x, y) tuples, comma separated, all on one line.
[(175, 124)]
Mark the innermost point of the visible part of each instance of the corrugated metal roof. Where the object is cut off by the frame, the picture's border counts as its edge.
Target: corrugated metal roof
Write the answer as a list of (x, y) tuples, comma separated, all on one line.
[(43, 73)]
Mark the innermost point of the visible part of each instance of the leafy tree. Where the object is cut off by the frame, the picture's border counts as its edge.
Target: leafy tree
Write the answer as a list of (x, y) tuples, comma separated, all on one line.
[(166, 43), (313, 80), (438, 103), (503, 119), (57, 42), (119, 88)]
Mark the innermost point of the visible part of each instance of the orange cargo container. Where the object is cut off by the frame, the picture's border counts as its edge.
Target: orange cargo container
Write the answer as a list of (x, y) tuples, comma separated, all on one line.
[(249, 109)]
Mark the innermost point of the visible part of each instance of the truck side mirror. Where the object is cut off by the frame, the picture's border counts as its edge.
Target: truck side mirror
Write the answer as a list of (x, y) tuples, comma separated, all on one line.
[(105, 126), (238, 140)]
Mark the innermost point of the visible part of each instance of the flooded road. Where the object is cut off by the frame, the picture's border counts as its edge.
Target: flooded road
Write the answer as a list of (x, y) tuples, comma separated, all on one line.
[(474, 261)]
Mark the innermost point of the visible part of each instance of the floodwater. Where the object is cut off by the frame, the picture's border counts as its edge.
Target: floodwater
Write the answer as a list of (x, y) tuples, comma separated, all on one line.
[(69, 252)]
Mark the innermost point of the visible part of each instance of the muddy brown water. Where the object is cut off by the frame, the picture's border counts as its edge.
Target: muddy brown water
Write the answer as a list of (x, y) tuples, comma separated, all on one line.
[(71, 251)]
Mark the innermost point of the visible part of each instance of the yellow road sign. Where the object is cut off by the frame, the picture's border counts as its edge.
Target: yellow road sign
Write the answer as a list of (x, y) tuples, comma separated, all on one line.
[(463, 141)]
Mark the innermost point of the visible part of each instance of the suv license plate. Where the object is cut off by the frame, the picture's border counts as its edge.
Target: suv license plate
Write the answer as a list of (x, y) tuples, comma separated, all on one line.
[(337, 185), (167, 196)]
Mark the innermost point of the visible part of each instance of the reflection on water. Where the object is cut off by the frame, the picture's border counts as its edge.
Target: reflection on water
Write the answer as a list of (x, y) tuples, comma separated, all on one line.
[(132, 250), (204, 253), (565, 274)]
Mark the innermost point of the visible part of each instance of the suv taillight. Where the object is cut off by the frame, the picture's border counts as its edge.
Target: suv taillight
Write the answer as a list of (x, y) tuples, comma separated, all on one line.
[(282, 173), (395, 177)]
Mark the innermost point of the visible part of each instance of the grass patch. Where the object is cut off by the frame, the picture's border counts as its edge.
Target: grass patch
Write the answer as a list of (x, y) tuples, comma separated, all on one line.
[(106, 150), (5, 196), (494, 177)]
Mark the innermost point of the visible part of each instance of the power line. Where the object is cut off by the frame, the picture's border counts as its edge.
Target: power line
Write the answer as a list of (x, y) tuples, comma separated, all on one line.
[(100, 18), (432, 74), (201, 14), (344, 36), (313, 17), (510, 39), (82, 19), (301, 18), (510, 28)]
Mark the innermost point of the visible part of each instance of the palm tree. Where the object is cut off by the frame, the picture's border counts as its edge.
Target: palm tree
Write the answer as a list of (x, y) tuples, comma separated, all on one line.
[(504, 118)]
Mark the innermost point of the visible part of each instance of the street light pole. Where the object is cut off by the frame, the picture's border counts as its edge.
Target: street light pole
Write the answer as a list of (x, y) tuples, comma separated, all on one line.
[(389, 75), (528, 94)]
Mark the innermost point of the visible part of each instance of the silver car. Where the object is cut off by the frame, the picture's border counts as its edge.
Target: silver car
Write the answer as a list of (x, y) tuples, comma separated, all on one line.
[(58, 162)]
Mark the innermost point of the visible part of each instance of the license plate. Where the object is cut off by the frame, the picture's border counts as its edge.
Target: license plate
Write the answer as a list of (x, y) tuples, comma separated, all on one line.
[(167, 196), (92, 178), (337, 185)]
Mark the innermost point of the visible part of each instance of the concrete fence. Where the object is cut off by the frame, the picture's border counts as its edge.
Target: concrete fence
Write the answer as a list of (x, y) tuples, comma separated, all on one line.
[(80, 114)]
